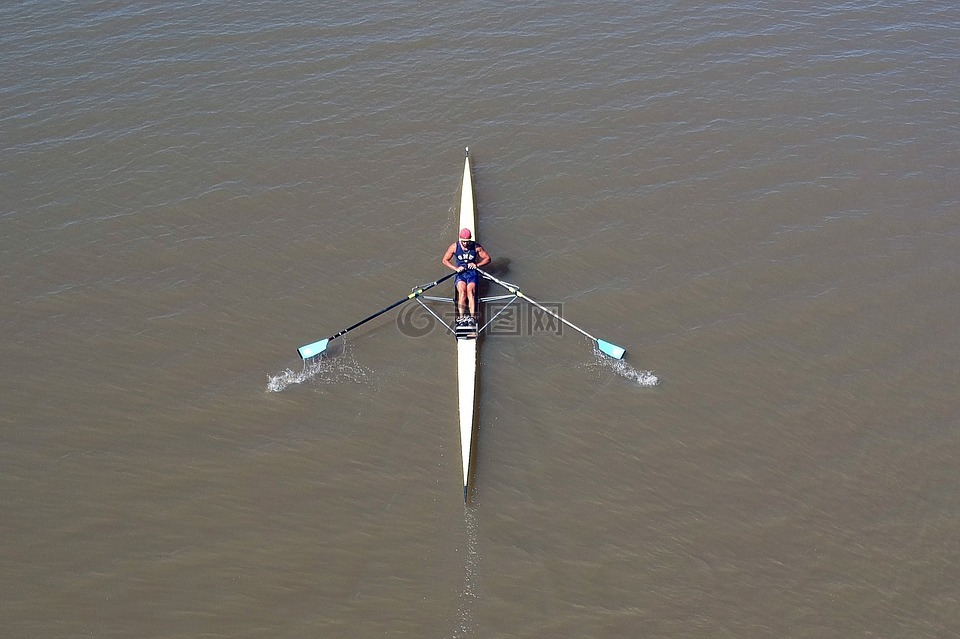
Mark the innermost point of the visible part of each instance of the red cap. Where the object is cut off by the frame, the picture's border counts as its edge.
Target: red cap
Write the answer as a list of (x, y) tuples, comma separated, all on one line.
[(465, 234)]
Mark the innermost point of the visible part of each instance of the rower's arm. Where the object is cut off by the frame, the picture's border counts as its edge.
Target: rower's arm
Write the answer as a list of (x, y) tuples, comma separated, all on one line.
[(448, 256), (484, 256)]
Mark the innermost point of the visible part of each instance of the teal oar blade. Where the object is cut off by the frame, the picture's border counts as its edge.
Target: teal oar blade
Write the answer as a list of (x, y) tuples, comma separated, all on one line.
[(312, 350), (614, 351), (317, 348)]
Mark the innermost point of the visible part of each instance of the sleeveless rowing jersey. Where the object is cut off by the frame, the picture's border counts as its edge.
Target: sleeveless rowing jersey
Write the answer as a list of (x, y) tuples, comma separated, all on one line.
[(465, 257)]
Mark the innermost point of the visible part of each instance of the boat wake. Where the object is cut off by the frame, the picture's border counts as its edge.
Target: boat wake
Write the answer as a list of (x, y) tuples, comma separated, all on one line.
[(645, 379), (468, 596), (323, 370)]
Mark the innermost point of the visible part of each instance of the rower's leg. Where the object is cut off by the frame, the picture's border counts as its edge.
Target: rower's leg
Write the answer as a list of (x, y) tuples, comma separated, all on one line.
[(472, 299), (461, 298)]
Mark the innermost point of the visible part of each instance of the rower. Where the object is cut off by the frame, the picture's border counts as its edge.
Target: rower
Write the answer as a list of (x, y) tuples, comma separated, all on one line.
[(464, 256)]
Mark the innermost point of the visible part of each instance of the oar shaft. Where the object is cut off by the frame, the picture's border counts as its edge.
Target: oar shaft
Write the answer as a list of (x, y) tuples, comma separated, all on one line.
[(317, 348), (415, 293), (562, 319), (516, 291), (372, 317)]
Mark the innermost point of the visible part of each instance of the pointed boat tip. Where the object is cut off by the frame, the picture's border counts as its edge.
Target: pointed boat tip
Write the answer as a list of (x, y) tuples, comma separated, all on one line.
[(466, 151)]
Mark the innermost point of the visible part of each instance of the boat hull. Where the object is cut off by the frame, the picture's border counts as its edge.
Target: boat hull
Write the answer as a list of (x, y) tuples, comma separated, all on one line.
[(467, 347), (467, 397)]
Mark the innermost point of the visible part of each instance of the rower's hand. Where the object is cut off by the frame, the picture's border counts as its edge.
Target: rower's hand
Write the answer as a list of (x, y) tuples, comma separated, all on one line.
[(460, 269), (471, 266)]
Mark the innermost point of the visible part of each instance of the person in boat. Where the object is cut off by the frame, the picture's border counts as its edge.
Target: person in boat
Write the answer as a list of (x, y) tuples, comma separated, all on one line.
[(464, 256)]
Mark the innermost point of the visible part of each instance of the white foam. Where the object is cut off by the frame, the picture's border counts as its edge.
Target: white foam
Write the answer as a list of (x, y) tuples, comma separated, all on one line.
[(645, 379), (324, 370), (642, 378)]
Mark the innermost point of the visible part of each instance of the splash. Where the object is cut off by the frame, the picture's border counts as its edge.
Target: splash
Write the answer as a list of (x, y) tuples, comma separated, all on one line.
[(324, 370), (642, 378), (645, 379)]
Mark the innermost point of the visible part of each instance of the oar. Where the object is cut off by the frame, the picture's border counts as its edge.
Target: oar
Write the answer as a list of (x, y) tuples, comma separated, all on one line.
[(614, 351), (317, 348)]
